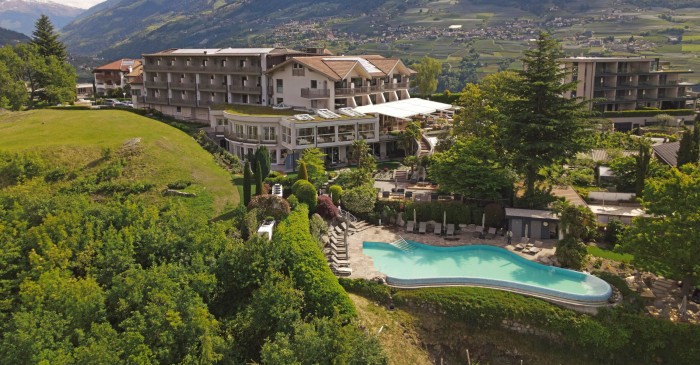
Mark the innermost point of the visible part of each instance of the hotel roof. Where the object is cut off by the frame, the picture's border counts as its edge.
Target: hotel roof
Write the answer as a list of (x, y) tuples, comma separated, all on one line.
[(222, 52), (338, 67)]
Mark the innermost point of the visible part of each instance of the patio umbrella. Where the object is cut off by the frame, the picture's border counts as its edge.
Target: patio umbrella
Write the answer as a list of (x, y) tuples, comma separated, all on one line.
[(444, 219), (526, 229), (483, 220), (414, 216)]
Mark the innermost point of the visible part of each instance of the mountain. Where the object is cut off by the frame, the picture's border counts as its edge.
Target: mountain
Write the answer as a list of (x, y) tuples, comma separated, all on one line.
[(20, 15), (11, 37), (127, 28)]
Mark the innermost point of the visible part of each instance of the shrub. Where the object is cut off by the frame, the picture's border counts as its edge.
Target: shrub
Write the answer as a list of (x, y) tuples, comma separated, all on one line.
[(318, 227), (179, 185), (298, 184), (360, 199), (270, 205), (571, 253), (308, 268), (456, 212), (582, 177), (325, 207), (307, 194), (336, 192), (293, 201), (303, 173), (495, 215), (369, 289)]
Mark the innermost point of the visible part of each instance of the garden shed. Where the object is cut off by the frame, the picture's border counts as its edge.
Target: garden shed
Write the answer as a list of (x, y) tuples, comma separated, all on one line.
[(534, 224)]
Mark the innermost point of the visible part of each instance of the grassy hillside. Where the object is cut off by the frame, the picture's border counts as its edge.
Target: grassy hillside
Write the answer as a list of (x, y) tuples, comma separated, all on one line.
[(11, 37), (77, 139)]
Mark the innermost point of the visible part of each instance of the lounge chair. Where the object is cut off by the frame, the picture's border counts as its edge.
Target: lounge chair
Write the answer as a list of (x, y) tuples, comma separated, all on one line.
[(471, 228), (524, 240), (340, 249), (450, 231), (478, 231), (338, 270), (338, 261), (410, 226), (438, 228), (539, 243), (422, 226), (491, 233), (519, 247), (534, 250)]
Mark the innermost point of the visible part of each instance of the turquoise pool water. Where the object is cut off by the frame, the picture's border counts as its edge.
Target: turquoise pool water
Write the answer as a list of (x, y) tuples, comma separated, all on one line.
[(414, 263)]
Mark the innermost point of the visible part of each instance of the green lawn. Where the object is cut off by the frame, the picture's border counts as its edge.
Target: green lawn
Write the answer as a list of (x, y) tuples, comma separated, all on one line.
[(599, 252), (76, 139)]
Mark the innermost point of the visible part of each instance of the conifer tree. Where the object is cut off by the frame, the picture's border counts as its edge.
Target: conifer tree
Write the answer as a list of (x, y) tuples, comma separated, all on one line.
[(258, 179), (262, 155), (46, 39), (303, 173), (695, 151), (685, 149), (246, 183)]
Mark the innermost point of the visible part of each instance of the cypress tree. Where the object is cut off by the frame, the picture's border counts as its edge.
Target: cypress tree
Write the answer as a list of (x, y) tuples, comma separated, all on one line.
[(258, 179), (46, 39), (303, 173), (685, 149), (695, 151), (642, 164), (262, 156), (246, 183)]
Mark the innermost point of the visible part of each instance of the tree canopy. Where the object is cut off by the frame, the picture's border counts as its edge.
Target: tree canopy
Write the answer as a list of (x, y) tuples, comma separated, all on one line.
[(46, 39), (427, 79), (666, 242)]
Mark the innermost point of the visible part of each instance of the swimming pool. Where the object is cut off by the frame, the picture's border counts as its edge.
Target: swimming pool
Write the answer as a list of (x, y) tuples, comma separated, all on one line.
[(411, 263)]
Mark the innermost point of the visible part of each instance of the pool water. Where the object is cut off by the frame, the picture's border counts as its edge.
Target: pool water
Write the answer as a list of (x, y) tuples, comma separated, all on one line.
[(413, 263)]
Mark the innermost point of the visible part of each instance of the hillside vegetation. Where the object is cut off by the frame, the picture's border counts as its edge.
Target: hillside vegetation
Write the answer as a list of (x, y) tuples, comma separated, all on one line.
[(11, 37), (77, 141)]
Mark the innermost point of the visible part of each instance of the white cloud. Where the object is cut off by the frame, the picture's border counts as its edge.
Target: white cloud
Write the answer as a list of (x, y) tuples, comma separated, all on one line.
[(83, 4)]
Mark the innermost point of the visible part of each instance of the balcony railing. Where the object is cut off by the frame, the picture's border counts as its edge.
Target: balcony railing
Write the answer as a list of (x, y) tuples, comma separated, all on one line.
[(252, 138), (245, 89), (398, 85), (212, 87), (184, 102), (156, 100), (376, 88), (156, 84), (348, 91), (315, 93), (183, 85), (298, 72)]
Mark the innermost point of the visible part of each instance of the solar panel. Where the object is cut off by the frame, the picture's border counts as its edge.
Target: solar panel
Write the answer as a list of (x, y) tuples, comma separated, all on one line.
[(351, 112)]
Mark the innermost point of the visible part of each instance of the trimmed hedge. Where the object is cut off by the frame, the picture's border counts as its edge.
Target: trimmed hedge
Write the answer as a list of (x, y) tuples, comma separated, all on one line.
[(615, 336), (647, 113), (308, 268), (377, 292), (457, 213)]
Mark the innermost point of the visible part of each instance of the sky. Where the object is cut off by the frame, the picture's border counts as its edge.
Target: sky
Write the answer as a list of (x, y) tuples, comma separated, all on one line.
[(83, 4)]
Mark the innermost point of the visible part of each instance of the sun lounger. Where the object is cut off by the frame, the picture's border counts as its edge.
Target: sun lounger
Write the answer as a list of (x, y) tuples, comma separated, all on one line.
[(338, 270), (471, 227), (534, 250), (524, 240), (340, 249), (410, 226), (422, 226), (519, 247), (478, 231), (538, 243), (338, 261), (450, 231), (491, 233), (438, 228)]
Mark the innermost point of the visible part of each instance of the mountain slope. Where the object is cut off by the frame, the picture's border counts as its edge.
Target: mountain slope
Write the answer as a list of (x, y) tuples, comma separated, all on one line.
[(128, 28), (11, 37), (20, 15)]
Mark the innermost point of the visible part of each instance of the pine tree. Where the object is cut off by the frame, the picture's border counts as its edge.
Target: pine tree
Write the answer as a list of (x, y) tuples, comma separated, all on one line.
[(258, 179), (46, 39), (541, 126), (685, 149), (303, 173), (246, 183)]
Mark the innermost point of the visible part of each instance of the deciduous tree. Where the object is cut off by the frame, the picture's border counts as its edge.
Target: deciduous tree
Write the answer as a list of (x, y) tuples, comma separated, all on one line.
[(428, 71), (666, 242)]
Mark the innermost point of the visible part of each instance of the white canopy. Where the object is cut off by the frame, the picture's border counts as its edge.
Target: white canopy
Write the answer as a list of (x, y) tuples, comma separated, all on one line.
[(405, 108)]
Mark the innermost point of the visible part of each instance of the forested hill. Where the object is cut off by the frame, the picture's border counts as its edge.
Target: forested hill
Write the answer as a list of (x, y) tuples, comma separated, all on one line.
[(11, 37)]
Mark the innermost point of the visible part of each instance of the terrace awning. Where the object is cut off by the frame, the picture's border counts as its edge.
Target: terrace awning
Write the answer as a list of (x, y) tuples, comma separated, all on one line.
[(405, 109)]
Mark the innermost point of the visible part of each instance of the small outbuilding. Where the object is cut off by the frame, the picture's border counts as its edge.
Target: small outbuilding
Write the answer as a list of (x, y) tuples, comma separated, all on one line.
[(534, 224)]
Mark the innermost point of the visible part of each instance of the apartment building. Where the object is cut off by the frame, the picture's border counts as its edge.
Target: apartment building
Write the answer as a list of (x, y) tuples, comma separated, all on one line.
[(618, 84), (334, 82), (184, 83), (112, 76)]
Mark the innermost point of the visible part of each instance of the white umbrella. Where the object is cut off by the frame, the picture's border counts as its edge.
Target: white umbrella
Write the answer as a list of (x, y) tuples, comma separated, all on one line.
[(526, 228), (483, 220), (414, 216), (444, 219)]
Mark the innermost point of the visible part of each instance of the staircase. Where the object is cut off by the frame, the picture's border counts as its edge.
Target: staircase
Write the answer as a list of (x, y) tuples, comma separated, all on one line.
[(663, 287), (359, 226), (424, 148), (403, 245)]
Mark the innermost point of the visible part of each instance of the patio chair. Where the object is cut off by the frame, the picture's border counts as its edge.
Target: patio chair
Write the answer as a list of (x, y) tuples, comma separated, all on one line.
[(524, 240), (471, 227), (491, 233), (534, 250), (338, 261), (478, 231), (422, 226), (410, 226), (339, 248), (539, 243), (450, 230), (438, 228), (519, 247), (338, 270)]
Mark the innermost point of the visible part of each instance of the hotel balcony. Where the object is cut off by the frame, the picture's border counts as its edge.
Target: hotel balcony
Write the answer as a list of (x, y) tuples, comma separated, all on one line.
[(156, 84), (183, 85), (245, 89), (184, 102), (315, 93), (212, 87), (347, 91), (398, 85), (251, 138), (156, 100)]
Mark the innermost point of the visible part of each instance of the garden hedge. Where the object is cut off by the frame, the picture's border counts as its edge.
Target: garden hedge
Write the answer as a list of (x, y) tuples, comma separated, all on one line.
[(308, 268), (647, 113)]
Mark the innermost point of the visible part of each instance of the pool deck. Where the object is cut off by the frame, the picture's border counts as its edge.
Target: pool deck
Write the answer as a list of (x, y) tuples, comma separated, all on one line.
[(363, 265)]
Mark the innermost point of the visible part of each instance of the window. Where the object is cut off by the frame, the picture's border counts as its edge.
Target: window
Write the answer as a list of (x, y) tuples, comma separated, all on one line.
[(211, 79), (204, 62), (286, 135), (297, 66), (171, 62), (241, 63), (221, 121), (314, 84), (279, 85), (223, 63), (269, 134), (238, 129), (280, 100), (252, 131), (179, 109), (305, 136), (188, 61)]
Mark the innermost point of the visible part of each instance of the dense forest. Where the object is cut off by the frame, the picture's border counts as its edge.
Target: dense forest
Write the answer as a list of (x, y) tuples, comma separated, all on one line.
[(95, 270)]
